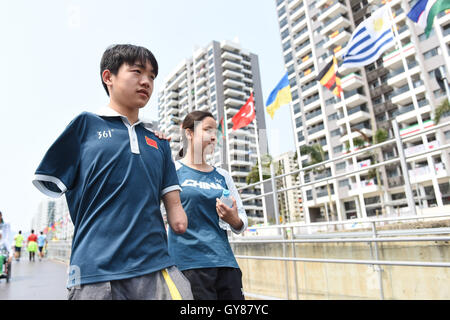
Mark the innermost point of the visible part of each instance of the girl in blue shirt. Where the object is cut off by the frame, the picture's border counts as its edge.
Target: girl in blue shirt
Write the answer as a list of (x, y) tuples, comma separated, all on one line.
[(203, 252)]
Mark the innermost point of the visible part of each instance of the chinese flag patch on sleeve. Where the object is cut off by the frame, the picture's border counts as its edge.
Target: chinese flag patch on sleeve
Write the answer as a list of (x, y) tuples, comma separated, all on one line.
[(151, 142)]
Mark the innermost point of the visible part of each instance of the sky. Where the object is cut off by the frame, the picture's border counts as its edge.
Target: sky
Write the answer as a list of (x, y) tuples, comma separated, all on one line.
[(50, 56)]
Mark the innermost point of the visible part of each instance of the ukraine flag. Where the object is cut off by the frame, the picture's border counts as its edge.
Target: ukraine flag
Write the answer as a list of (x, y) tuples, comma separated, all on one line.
[(279, 96)]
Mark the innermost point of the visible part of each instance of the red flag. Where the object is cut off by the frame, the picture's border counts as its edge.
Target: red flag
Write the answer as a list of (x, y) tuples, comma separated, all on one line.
[(245, 115), (151, 142)]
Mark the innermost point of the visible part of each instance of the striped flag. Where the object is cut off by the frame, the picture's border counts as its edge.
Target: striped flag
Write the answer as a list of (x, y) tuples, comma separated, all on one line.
[(370, 39), (330, 78), (279, 96), (424, 12)]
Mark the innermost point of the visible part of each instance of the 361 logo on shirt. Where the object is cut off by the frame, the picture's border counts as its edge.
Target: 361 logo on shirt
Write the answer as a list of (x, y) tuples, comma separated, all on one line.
[(104, 134)]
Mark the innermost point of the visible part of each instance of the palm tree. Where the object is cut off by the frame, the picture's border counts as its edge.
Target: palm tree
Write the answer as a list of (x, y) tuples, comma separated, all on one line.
[(443, 107), (380, 136), (253, 175), (317, 155)]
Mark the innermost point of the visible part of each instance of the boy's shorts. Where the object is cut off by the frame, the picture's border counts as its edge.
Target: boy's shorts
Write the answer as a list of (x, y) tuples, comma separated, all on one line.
[(166, 284)]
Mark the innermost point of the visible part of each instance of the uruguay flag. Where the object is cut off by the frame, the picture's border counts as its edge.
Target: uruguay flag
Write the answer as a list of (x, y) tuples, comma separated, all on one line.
[(370, 39)]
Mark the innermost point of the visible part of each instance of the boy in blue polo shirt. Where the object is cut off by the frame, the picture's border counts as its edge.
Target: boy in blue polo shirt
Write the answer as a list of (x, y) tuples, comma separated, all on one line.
[(114, 170)]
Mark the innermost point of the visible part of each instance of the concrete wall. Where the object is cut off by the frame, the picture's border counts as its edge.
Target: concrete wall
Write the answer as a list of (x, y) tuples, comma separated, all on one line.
[(347, 281), (331, 280)]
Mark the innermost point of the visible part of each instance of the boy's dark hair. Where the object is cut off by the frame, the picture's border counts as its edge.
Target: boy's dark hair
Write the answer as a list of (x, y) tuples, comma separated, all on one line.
[(116, 55), (189, 123)]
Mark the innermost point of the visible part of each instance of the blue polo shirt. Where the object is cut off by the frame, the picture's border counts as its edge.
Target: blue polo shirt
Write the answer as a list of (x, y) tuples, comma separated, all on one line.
[(204, 244), (113, 175)]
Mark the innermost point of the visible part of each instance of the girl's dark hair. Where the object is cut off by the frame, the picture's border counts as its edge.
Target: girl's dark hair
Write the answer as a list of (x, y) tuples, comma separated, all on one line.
[(189, 123), (116, 55)]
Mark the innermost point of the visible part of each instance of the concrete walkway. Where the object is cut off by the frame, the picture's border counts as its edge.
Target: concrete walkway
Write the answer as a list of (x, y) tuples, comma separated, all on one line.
[(39, 280)]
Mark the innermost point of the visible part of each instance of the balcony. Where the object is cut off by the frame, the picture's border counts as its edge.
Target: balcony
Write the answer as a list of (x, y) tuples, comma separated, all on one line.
[(234, 93), (334, 9), (408, 112), (336, 23), (301, 36), (354, 98), (233, 83), (424, 173), (393, 60), (228, 55), (398, 77), (403, 95), (231, 65), (365, 186), (172, 103), (367, 131), (351, 82), (316, 132), (416, 128), (303, 49), (234, 102), (311, 103), (337, 38), (307, 76), (359, 165), (305, 62), (298, 24), (232, 74), (421, 148), (314, 117), (297, 11), (356, 115)]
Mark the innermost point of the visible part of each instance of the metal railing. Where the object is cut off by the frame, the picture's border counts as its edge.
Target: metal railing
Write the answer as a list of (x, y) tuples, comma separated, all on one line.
[(374, 237)]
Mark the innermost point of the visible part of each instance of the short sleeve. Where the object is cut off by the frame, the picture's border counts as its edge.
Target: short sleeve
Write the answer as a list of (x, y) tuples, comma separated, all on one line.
[(170, 178), (58, 169)]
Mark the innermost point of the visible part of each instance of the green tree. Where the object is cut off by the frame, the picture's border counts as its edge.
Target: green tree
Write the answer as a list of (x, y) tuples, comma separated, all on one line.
[(253, 175), (380, 136), (443, 107), (316, 156)]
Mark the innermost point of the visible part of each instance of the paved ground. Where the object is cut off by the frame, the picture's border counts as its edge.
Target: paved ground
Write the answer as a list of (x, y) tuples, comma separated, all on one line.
[(39, 280)]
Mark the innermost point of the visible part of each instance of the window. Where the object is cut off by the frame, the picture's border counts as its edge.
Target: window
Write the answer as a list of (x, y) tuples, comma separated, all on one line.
[(338, 149), (430, 53)]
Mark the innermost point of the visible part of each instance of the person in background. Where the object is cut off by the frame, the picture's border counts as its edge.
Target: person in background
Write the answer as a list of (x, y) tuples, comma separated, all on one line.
[(18, 239), (32, 245), (203, 252), (41, 241)]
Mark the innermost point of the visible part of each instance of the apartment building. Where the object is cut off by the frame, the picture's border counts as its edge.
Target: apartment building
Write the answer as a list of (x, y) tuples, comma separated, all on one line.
[(400, 85), (53, 212), (289, 202), (220, 78)]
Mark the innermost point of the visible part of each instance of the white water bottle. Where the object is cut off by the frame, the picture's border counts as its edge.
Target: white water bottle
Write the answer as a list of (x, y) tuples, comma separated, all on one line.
[(225, 199)]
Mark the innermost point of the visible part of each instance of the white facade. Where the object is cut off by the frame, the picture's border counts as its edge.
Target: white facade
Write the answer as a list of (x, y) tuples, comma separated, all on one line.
[(219, 78), (289, 202), (53, 212), (400, 85)]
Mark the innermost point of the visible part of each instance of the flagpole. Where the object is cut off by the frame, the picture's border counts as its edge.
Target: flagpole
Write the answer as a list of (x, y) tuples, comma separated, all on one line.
[(352, 147), (258, 152), (227, 148), (408, 191)]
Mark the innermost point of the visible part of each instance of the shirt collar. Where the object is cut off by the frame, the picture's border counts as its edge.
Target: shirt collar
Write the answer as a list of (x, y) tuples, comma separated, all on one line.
[(107, 111)]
